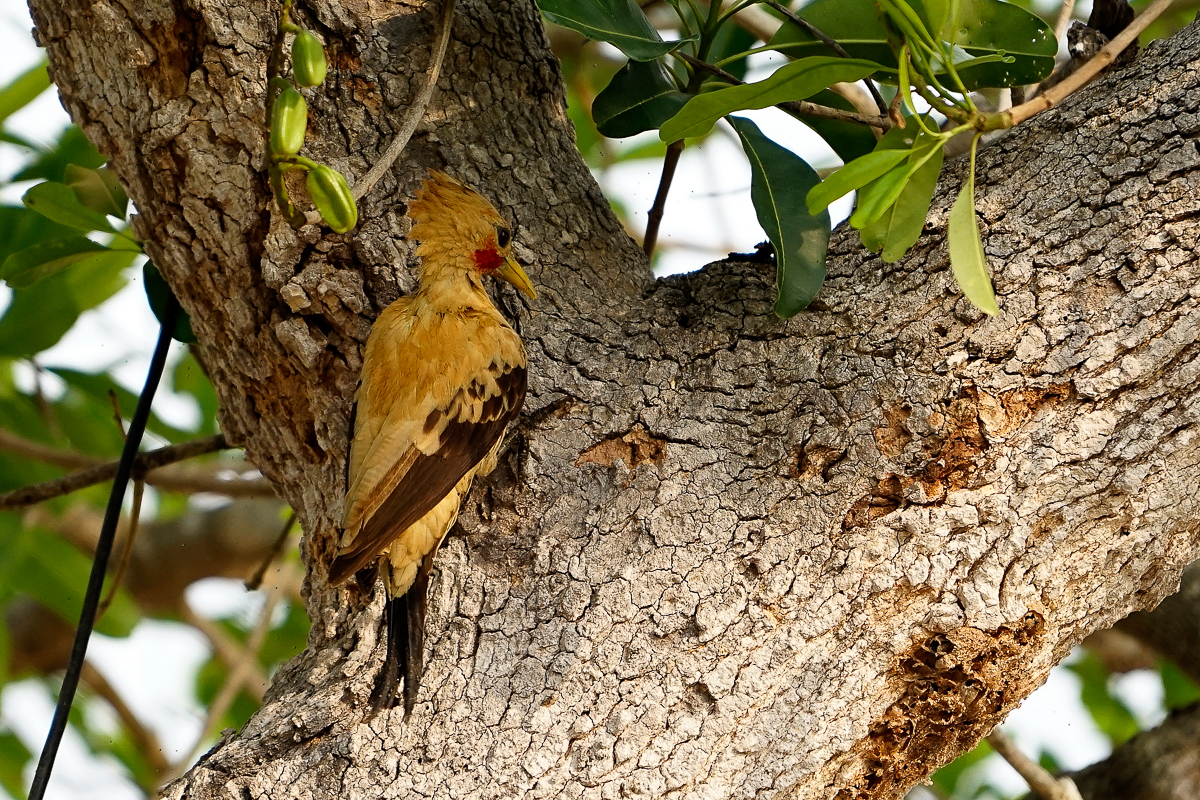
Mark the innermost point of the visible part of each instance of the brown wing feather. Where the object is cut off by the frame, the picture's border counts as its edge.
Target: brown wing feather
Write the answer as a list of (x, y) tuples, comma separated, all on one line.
[(461, 446)]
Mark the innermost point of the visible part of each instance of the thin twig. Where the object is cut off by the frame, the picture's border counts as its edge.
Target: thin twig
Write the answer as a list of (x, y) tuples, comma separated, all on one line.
[(142, 470), (1082, 76), (238, 674), (135, 515), (416, 111), (227, 649), (143, 738), (1039, 780), (116, 407), (797, 108), (255, 580), (828, 42), (654, 218), (1064, 17)]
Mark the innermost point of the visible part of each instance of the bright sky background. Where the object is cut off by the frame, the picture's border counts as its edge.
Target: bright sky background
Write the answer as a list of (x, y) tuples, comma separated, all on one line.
[(709, 214)]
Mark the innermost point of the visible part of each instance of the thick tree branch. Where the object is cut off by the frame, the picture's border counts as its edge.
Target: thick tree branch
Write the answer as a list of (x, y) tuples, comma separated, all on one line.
[(728, 555)]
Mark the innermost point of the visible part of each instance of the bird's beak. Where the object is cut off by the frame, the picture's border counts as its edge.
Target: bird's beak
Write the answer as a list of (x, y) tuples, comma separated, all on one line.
[(511, 271)]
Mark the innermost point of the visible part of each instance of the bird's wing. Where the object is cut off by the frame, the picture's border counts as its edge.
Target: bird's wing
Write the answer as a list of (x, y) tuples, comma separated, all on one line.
[(426, 463)]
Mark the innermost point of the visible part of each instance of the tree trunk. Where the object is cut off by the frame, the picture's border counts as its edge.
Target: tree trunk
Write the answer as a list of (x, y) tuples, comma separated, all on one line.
[(724, 555)]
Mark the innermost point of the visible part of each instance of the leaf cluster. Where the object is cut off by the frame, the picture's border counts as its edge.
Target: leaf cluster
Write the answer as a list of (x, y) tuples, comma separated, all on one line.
[(940, 50)]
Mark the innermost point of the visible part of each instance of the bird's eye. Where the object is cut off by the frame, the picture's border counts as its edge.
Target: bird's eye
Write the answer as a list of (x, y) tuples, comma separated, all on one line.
[(502, 237)]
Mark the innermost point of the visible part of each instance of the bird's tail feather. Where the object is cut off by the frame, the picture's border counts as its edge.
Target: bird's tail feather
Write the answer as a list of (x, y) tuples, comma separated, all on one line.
[(405, 624)]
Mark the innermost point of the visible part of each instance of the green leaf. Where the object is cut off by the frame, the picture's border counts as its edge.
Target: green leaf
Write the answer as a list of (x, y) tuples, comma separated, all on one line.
[(38, 316), (58, 202), (779, 182), (1112, 717), (946, 779), (51, 165), (621, 23), (1178, 689), (640, 97), (854, 175), (794, 81), (23, 90), (848, 139), (880, 195), (98, 189), (56, 574), (98, 388), (980, 27), (189, 378), (967, 260), (731, 40), (159, 294), (992, 27), (24, 269), (21, 228), (14, 755), (901, 225)]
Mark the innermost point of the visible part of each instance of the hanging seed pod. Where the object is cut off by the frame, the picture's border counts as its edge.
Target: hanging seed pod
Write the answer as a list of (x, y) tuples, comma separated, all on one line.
[(308, 59), (331, 195), (289, 121)]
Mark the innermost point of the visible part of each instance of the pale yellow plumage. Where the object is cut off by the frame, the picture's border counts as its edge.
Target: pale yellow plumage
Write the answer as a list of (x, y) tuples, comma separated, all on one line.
[(443, 376)]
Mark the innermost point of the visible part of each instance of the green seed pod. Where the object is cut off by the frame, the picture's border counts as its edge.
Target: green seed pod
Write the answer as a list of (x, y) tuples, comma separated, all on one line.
[(331, 195), (308, 59), (289, 120)]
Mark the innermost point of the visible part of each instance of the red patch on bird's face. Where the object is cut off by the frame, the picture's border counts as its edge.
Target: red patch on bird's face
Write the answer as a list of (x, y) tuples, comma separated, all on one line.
[(487, 259)]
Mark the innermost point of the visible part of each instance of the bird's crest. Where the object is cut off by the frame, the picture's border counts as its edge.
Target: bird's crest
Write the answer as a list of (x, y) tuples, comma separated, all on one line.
[(449, 214), (457, 229)]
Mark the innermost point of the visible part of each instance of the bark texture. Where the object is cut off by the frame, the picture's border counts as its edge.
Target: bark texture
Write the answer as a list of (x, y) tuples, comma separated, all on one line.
[(724, 556)]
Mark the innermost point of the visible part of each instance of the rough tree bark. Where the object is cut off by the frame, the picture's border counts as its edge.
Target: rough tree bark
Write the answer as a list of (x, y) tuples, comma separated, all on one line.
[(724, 555)]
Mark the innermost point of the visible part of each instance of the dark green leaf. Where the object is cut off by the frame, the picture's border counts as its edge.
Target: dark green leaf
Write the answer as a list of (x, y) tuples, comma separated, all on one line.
[(621, 23), (967, 260), (24, 269), (22, 90), (14, 755), (38, 316), (72, 148), (58, 202), (848, 139), (159, 294), (980, 28), (992, 27), (731, 39), (794, 81), (56, 574), (779, 182), (640, 97), (98, 189)]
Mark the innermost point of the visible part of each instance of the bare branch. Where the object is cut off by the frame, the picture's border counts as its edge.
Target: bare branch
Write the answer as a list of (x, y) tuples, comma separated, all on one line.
[(1039, 780), (144, 468), (416, 111)]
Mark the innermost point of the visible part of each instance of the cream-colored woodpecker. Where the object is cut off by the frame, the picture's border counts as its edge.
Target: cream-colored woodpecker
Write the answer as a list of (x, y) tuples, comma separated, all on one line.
[(443, 376)]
